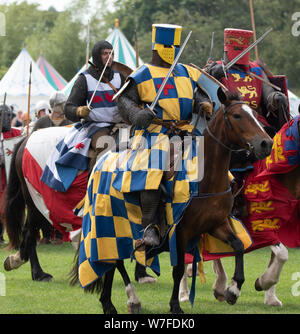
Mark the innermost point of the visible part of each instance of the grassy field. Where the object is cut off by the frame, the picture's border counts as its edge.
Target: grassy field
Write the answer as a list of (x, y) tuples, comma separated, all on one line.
[(23, 296)]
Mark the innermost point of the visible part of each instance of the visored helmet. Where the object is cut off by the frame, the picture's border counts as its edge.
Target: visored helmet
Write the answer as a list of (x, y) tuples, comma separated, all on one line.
[(166, 41), (236, 41), (6, 120)]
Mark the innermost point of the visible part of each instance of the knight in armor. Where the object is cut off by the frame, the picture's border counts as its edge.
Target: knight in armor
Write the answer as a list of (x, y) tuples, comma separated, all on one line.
[(180, 98), (250, 80), (270, 104), (7, 132), (103, 111), (56, 117)]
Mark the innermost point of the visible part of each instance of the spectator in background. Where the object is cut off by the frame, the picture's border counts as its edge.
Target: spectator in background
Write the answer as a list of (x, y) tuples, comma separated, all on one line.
[(17, 120), (42, 109)]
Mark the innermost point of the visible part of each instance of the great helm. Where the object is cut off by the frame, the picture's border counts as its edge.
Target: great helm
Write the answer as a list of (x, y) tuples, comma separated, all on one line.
[(166, 41), (236, 41)]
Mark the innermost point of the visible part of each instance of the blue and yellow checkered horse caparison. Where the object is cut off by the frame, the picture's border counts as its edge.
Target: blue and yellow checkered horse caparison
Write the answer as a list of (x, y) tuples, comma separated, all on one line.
[(112, 220)]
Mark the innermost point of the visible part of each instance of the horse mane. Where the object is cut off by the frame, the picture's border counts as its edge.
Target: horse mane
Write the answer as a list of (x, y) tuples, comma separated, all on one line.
[(234, 96)]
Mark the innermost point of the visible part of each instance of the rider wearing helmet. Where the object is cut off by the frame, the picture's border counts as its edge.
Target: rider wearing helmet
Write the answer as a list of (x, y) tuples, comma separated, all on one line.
[(56, 117)]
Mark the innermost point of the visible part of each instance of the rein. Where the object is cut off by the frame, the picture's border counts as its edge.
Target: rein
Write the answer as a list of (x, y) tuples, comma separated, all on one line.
[(227, 122)]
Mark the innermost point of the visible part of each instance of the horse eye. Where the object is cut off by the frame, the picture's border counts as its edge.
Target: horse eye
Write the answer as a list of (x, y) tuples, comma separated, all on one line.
[(236, 116)]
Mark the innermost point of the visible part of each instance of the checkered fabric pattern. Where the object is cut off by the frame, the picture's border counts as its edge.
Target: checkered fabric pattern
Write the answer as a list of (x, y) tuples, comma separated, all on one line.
[(176, 100), (112, 219)]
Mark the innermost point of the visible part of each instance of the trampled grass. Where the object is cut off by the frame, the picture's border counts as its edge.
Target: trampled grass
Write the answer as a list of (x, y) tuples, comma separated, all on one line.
[(24, 296)]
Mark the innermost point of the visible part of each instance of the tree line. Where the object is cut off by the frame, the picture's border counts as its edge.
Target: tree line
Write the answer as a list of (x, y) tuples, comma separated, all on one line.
[(61, 36)]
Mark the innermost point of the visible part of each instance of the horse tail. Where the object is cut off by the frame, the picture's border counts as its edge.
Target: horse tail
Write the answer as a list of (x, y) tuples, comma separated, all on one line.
[(15, 202), (96, 286)]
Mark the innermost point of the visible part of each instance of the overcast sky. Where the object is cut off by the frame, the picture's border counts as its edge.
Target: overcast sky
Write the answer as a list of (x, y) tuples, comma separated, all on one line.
[(44, 4)]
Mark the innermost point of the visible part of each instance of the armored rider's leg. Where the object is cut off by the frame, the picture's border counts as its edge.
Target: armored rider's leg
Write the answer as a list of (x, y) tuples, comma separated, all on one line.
[(150, 200)]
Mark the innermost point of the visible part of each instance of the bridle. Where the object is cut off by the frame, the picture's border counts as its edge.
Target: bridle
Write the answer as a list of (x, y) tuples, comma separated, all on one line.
[(249, 146)]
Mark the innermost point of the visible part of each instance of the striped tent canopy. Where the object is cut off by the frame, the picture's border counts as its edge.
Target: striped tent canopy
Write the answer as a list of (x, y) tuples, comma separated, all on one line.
[(123, 53), (50, 73)]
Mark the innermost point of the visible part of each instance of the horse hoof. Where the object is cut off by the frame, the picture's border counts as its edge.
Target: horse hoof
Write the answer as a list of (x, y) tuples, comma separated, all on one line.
[(230, 297), (257, 285), (43, 278), (148, 279), (219, 296), (134, 308), (184, 297), (7, 265), (176, 309)]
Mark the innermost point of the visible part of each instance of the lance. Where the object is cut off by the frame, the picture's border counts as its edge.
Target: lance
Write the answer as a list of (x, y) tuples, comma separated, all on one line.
[(253, 27), (89, 103), (153, 104), (2, 137), (210, 57), (249, 48), (87, 46), (29, 92)]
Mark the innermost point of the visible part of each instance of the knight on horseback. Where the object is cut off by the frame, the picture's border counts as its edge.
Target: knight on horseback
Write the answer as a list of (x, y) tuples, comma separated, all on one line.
[(57, 117), (250, 80), (180, 98), (102, 111)]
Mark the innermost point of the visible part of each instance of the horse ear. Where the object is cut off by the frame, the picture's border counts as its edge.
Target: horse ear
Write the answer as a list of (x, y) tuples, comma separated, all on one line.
[(222, 95)]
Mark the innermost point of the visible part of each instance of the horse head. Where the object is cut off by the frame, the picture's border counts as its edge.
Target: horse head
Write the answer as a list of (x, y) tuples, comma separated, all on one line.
[(241, 127)]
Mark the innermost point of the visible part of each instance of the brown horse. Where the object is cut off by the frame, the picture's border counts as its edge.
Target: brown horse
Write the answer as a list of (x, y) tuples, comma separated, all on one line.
[(233, 126), (279, 253)]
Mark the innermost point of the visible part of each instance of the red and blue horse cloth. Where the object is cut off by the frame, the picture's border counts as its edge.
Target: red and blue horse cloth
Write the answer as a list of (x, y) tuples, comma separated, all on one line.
[(69, 156), (57, 207)]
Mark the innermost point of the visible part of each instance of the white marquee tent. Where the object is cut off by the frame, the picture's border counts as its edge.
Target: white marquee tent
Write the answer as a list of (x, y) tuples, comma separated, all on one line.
[(15, 83)]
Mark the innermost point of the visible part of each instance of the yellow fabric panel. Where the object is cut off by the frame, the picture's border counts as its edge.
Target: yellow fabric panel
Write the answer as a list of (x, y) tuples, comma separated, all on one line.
[(193, 72), (103, 207), (214, 245), (147, 90), (161, 143), (126, 182), (171, 108), (141, 160), (158, 72), (134, 213), (86, 273), (122, 227), (109, 164), (184, 87), (192, 169), (87, 245), (107, 248), (153, 179), (181, 191)]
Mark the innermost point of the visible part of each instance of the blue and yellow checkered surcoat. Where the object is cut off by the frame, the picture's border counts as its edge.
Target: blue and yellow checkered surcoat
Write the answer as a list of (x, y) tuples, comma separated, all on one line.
[(112, 214), (175, 103)]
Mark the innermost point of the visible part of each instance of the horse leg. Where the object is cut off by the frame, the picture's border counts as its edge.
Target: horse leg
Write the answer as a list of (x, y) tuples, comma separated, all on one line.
[(133, 303), (279, 255), (220, 284), (183, 287), (177, 274), (13, 262), (225, 233), (28, 247), (105, 298)]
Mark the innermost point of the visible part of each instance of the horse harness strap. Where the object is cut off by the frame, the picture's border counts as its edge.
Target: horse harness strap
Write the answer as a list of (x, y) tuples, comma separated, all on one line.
[(208, 195), (227, 121)]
